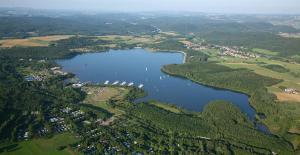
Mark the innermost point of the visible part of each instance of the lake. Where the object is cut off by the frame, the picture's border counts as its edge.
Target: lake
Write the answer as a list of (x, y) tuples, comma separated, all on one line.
[(143, 67)]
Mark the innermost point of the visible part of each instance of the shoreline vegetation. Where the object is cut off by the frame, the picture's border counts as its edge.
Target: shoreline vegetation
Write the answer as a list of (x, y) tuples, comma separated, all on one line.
[(222, 132)]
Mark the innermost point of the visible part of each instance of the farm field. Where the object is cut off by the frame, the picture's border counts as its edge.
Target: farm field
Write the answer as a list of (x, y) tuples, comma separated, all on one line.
[(32, 41), (290, 78)]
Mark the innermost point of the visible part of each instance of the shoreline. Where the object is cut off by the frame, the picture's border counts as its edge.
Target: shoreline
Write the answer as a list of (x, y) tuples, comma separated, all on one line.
[(166, 51)]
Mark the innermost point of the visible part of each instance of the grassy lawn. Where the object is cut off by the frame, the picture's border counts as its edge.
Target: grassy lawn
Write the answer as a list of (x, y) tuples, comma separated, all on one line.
[(99, 96), (42, 146)]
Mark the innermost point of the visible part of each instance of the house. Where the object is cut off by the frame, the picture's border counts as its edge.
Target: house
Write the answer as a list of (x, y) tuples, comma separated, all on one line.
[(291, 91), (77, 85)]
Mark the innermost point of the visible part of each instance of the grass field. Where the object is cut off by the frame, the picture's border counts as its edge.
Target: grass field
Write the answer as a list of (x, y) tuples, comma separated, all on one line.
[(32, 41), (41, 146), (265, 52), (128, 39), (99, 96), (167, 107)]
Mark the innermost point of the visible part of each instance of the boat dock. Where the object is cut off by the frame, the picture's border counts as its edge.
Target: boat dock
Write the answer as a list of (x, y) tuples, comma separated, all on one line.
[(124, 83)]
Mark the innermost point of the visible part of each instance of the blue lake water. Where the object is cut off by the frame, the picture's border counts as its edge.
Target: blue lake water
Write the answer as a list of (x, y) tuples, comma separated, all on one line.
[(143, 67)]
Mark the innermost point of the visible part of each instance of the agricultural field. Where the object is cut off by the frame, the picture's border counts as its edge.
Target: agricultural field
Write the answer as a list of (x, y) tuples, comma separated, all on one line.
[(290, 78), (131, 39), (32, 41), (264, 52)]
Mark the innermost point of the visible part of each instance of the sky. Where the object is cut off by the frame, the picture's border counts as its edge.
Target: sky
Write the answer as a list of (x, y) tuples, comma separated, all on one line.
[(212, 6)]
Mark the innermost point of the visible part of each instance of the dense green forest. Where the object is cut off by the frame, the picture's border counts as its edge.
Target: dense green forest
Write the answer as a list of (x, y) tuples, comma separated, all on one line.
[(219, 120), (22, 27), (20, 98)]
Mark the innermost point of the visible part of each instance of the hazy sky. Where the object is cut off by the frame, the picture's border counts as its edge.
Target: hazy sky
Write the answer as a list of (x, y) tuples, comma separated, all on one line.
[(219, 6)]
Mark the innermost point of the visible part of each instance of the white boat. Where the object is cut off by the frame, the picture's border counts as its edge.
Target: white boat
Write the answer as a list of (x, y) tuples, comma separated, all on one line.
[(160, 78), (115, 83), (141, 86), (106, 82), (146, 69), (123, 83), (130, 84)]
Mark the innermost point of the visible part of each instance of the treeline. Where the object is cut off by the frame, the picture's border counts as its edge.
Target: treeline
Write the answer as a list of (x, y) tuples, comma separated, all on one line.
[(199, 24), (23, 26)]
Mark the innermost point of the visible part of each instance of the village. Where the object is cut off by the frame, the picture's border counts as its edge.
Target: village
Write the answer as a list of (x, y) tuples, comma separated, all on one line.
[(234, 51), (291, 91)]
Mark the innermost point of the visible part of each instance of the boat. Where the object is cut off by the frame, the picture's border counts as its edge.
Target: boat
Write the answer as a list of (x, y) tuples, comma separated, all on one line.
[(141, 86), (106, 82), (123, 83), (130, 84), (115, 83)]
